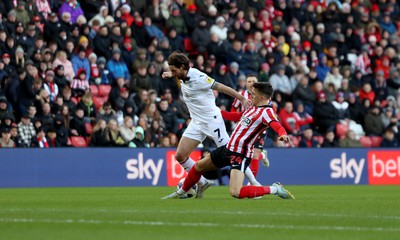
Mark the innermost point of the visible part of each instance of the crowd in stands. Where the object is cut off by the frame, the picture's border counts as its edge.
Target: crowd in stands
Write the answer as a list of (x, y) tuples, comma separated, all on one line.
[(88, 72)]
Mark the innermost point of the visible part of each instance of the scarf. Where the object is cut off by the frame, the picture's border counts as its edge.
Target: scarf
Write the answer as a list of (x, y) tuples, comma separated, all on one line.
[(43, 143)]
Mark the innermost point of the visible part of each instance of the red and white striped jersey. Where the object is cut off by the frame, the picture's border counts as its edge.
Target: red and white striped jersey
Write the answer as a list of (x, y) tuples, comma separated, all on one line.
[(253, 123), (237, 103)]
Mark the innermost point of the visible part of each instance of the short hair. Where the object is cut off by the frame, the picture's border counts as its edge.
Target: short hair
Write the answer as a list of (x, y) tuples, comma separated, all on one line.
[(177, 59), (264, 88)]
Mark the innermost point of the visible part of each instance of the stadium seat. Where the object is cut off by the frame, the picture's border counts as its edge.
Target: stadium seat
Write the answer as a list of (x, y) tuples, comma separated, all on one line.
[(319, 139), (376, 141), (98, 102), (189, 48), (69, 142), (78, 141), (104, 90), (341, 130), (89, 128), (94, 90), (366, 141)]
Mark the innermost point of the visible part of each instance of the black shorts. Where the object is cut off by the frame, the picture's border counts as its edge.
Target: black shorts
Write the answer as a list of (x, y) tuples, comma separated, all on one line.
[(222, 157), (259, 144)]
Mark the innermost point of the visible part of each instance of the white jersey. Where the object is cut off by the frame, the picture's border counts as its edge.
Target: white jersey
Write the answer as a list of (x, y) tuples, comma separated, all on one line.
[(199, 96)]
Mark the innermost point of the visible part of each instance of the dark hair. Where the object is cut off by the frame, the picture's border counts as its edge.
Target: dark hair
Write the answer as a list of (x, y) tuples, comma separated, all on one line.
[(177, 59), (264, 88)]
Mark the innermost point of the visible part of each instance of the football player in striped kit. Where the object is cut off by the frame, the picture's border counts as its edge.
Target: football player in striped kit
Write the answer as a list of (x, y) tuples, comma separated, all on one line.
[(239, 150)]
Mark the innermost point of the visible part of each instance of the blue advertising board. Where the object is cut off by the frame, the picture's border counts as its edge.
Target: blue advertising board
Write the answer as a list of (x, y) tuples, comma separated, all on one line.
[(70, 167)]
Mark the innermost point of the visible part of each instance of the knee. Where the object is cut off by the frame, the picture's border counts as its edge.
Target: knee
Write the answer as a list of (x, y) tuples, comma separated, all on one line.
[(180, 157), (234, 192)]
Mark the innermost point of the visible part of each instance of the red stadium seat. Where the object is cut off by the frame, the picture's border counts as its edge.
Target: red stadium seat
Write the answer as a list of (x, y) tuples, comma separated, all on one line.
[(94, 90), (341, 130), (376, 141), (69, 142), (98, 102), (89, 128), (104, 90), (189, 48), (78, 141), (366, 141)]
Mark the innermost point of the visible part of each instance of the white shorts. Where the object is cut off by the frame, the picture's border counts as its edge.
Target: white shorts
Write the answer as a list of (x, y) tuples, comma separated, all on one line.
[(215, 130)]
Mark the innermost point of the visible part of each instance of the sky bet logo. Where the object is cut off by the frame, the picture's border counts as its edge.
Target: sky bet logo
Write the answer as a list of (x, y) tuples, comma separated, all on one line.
[(138, 168), (347, 168)]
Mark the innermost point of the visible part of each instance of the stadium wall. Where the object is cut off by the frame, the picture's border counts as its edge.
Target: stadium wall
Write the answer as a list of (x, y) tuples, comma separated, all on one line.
[(76, 167)]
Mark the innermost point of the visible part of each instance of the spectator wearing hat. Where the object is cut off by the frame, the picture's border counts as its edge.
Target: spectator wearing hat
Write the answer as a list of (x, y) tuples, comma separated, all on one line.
[(102, 43), (7, 119), (234, 73), (139, 33), (73, 7), (100, 17), (5, 140), (80, 60), (11, 22), (201, 36), (325, 114), (367, 92), (128, 52), (219, 28), (61, 59), (79, 84), (117, 66), (322, 68), (59, 77), (26, 130), (126, 14), (50, 86), (104, 72), (191, 18), (342, 106)]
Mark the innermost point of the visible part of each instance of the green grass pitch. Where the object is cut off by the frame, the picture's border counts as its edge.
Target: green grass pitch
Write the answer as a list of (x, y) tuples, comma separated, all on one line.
[(137, 213)]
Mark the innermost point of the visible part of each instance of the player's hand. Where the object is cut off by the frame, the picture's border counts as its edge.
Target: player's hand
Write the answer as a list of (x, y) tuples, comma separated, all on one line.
[(246, 103), (284, 138), (166, 75)]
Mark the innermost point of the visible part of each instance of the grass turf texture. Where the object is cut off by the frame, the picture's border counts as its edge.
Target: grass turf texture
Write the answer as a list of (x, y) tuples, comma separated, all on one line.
[(319, 212)]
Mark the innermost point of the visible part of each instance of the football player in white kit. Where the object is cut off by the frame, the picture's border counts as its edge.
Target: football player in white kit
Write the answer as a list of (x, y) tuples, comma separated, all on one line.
[(197, 90)]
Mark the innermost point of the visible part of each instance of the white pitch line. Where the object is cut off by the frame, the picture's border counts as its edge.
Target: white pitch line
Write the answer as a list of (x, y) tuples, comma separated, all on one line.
[(127, 211), (197, 224)]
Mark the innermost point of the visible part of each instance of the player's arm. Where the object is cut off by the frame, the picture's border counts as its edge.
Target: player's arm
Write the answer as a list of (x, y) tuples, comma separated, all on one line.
[(231, 116), (231, 92), (277, 127)]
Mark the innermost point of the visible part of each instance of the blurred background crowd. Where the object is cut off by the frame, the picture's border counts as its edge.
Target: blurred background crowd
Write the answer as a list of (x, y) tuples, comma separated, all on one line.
[(88, 72)]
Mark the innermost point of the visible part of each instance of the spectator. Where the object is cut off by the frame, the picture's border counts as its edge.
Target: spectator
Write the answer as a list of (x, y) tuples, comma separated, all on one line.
[(325, 114), (113, 135), (26, 130), (330, 140), (280, 83), (127, 130), (176, 21), (152, 30), (73, 7), (304, 93), (307, 140), (140, 80), (100, 17), (61, 59), (88, 107), (59, 77), (40, 140), (102, 43), (79, 61), (46, 117), (61, 131), (168, 116), (333, 77), (98, 137), (139, 140), (389, 140), (77, 123), (350, 140), (139, 32), (322, 68), (373, 122), (201, 36), (5, 140), (117, 66), (107, 113), (14, 135), (79, 84)]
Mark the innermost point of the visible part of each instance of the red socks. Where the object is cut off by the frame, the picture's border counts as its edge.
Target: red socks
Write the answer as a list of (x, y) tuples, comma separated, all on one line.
[(191, 179), (255, 165), (253, 191)]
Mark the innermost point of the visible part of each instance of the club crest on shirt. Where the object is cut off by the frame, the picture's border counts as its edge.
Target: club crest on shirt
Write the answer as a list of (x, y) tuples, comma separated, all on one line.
[(246, 121)]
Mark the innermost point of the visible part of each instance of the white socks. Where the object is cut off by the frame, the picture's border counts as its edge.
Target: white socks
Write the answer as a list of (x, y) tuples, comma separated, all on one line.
[(250, 176), (273, 190), (188, 164)]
